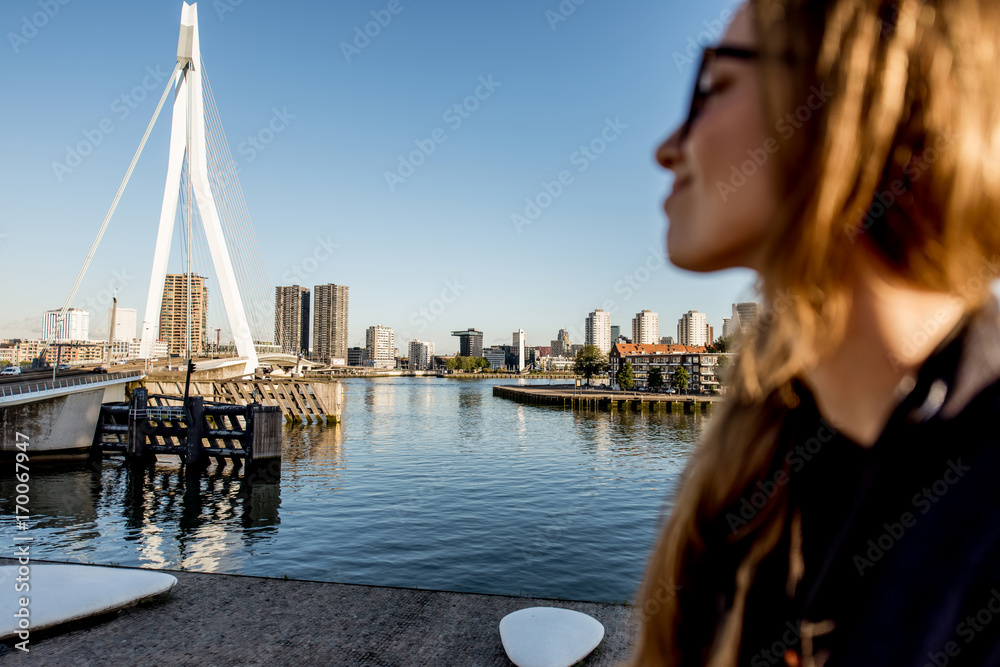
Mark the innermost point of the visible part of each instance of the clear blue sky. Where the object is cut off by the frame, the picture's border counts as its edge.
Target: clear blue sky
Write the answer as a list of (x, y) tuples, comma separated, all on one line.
[(447, 227)]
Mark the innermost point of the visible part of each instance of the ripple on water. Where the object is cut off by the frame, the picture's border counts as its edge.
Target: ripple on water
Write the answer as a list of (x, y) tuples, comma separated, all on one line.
[(427, 483)]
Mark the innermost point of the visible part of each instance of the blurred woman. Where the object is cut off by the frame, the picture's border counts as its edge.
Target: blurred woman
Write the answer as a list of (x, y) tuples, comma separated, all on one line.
[(842, 508)]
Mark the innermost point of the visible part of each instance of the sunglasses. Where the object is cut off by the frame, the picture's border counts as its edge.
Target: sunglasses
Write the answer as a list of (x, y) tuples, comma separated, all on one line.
[(702, 84)]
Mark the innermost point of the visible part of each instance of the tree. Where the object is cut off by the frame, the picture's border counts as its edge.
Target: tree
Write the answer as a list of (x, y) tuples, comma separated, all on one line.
[(680, 379), (625, 376), (590, 361), (721, 344), (721, 369), (655, 378)]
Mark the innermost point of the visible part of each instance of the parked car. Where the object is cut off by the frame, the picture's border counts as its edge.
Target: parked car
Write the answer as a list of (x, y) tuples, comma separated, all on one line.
[(63, 367), (100, 369), (11, 370)]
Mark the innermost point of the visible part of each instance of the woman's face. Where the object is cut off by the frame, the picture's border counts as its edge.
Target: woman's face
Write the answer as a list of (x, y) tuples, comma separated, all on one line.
[(723, 197)]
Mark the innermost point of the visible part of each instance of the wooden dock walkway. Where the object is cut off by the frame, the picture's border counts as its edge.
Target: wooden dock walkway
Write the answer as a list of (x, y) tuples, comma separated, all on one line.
[(300, 400), (569, 396)]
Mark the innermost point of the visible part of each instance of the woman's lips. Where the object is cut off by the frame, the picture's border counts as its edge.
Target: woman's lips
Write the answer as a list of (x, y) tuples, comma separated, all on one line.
[(679, 185)]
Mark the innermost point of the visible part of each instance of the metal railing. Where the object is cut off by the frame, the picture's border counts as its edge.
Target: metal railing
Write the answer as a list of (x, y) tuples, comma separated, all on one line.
[(76, 381)]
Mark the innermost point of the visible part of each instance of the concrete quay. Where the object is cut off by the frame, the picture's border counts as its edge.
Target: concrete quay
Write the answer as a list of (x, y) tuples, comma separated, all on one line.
[(219, 619), (578, 398)]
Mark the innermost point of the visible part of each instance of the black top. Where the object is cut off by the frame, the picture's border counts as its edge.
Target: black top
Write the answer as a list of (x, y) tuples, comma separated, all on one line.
[(900, 541)]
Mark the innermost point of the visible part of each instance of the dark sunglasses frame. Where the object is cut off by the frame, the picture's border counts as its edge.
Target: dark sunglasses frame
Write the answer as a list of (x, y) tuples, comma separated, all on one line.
[(699, 94)]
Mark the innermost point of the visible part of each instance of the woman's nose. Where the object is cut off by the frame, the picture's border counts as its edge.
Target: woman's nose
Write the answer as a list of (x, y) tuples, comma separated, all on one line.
[(669, 152)]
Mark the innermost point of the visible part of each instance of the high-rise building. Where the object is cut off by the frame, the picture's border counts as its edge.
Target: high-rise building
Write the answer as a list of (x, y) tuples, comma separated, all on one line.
[(727, 327), (421, 355), (174, 313), (380, 347), (645, 328), (291, 319), (518, 343), (330, 303), (666, 340), (744, 315), (598, 330), (74, 326), (560, 346), (124, 324), (470, 342), (355, 356), (692, 329), (616, 331)]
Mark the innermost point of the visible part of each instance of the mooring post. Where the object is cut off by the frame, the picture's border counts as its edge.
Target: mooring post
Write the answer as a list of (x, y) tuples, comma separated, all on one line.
[(136, 450), (196, 416), (248, 432)]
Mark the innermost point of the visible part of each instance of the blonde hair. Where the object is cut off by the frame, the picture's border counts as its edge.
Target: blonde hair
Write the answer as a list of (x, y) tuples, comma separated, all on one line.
[(902, 160)]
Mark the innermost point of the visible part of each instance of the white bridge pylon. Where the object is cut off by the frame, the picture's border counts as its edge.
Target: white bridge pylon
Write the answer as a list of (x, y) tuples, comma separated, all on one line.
[(187, 138)]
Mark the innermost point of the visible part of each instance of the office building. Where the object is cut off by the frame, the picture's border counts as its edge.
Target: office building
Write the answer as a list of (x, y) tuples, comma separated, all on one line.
[(74, 326), (598, 330), (356, 356), (124, 324), (470, 342), (645, 328), (560, 346), (421, 355), (330, 304), (291, 319), (744, 316), (518, 349), (727, 327), (380, 347), (496, 356), (616, 331), (174, 327), (692, 329)]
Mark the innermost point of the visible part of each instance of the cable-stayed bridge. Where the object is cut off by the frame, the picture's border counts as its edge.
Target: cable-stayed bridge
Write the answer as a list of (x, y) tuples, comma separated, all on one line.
[(204, 211)]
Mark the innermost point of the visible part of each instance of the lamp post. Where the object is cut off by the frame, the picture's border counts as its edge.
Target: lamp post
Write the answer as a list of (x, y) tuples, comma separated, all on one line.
[(149, 351)]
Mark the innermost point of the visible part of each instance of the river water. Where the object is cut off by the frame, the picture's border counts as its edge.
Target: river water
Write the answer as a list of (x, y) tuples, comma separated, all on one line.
[(427, 483)]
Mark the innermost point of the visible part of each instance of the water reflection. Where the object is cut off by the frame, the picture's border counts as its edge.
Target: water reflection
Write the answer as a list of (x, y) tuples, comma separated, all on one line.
[(428, 482)]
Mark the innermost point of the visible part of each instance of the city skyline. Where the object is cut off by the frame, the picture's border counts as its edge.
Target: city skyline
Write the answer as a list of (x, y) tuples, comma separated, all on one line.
[(313, 167)]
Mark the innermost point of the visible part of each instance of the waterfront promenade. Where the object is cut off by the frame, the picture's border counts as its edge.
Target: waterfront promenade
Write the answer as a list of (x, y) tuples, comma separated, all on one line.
[(583, 398), (219, 619)]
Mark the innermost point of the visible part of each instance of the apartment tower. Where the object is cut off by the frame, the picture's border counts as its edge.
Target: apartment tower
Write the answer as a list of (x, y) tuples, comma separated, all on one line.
[(174, 313), (329, 322), (291, 319)]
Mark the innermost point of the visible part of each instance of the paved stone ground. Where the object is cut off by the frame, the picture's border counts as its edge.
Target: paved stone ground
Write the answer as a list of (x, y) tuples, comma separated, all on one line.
[(219, 619)]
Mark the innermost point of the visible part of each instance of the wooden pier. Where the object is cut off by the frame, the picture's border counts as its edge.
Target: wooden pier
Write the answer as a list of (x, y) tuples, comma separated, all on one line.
[(569, 396), (299, 400), (193, 430)]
